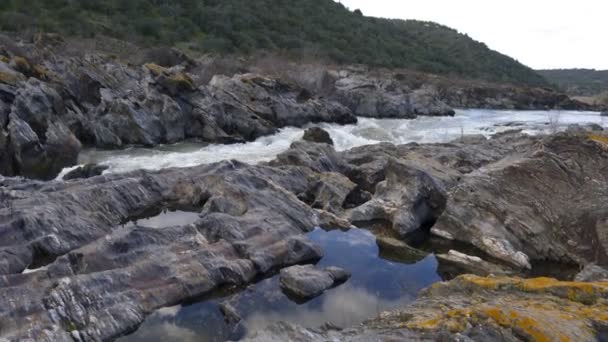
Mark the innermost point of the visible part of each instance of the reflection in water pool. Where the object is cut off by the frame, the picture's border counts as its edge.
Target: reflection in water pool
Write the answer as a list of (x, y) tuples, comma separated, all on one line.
[(166, 219), (376, 285)]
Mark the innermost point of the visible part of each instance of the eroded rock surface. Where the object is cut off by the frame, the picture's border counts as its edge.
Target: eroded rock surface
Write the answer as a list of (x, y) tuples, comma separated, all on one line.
[(543, 204), (100, 279)]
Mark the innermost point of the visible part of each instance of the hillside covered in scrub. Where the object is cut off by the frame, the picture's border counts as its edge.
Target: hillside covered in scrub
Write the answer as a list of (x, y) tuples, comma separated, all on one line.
[(578, 82), (320, 29)]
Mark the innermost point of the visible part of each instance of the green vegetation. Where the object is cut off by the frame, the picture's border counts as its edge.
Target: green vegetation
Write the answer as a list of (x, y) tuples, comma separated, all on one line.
[(578, 82), (310, 28)]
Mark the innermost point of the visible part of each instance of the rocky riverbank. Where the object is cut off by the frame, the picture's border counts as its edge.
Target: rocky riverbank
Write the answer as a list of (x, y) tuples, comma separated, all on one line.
[(57, 96), (90, 276)]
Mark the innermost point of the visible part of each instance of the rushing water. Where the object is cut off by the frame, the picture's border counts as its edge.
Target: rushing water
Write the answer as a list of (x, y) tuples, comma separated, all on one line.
[(376, 285), (366, 131)]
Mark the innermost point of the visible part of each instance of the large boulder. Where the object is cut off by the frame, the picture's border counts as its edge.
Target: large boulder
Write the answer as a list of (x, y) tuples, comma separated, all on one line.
[(317, 135), (408, 200), (545, 204), (42, 159)]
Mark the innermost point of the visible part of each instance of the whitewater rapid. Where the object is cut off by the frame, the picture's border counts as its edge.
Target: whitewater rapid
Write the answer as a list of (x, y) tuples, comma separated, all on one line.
[(367, 131)]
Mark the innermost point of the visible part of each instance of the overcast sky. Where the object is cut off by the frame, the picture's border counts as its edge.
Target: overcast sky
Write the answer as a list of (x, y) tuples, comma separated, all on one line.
[(543, 34)]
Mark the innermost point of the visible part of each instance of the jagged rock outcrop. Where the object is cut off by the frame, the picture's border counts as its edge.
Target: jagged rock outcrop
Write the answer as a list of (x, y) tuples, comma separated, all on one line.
[(101, 280), (385, 98), (472, 308), (540, 205), (107, 103)]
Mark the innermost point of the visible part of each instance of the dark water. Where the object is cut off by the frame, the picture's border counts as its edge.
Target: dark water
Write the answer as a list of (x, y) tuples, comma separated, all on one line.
[(376, 285)]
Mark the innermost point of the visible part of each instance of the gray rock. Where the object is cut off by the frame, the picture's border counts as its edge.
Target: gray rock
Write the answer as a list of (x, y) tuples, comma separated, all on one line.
[(454, 263), (303, 283), (86, 171), (521, 208), (604, 113), (102, 280), (409, 199), (318, 135), (374, 97), (591, 273)]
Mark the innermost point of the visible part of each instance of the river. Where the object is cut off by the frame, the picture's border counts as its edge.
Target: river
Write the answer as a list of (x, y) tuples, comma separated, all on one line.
[(366, 131)]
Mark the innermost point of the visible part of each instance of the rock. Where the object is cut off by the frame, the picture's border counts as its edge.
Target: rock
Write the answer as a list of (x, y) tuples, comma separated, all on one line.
[(592, 273), (317, 135), (521, 209), (103, 280), (454, 263), (409, 200), (578, 129), (473, 308), (374, 97), (398, 251), (231, 316), (329, 191), (37, 104), (427, 102), (86, 171), (165, 57), (306, 282), (6, 156), (605, 113)]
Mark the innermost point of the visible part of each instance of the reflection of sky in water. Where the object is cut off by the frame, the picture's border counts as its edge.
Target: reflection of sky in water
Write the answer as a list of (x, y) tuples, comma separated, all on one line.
[(167, 218), (376, 285)]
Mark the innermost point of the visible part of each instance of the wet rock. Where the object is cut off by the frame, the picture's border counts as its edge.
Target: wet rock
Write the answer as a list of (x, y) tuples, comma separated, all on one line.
[(318, 135), (521, 208), (592, 272), (473, 308), (231, 316), (396, 250), (306, 282), (86, 171)]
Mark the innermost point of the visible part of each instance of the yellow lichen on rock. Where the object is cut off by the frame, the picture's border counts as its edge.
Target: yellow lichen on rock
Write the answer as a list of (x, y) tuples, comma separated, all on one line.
[(4, 59), (21, 64), (602, 139), (540, 309), (156, 69), (10, 78)]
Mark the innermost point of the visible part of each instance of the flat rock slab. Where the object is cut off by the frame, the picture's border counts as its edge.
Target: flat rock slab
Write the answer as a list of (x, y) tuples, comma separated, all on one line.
[(303, 283)]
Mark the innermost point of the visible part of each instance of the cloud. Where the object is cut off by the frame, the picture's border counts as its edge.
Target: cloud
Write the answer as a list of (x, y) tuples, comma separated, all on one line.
[(539, 33)]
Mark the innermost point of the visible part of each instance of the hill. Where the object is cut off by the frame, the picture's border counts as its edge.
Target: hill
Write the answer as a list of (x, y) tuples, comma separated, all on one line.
[(578, 82), (311, 28)]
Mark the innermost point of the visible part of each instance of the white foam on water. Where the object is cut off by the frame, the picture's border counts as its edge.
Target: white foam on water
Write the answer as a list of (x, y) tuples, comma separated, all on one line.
[(366, 131)]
